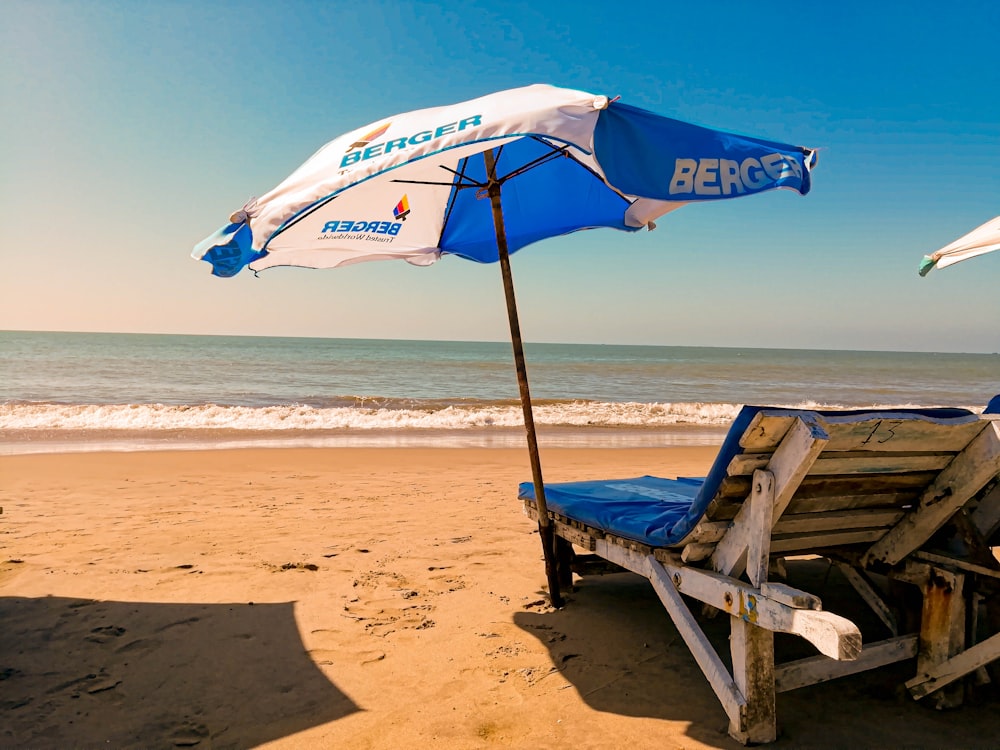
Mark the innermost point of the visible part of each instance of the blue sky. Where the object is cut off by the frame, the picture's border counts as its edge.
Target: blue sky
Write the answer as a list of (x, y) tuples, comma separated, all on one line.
[(131, 130)]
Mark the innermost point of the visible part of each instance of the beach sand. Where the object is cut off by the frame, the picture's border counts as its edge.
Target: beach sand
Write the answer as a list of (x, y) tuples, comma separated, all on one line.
[(361, 598)]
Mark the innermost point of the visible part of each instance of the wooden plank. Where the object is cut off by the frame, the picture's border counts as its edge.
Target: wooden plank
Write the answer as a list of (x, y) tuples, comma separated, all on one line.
[(759, 528), (701, 649), (823, 540), (849, 463), (705, 532), (986, 517), (697, 552), (752, 650), (576, 536), (937, 677), (971, 470), (815, 669), (867, 591), (790, 596), (838, 520), (765, 432), (831, 634), (817, 504), (883, 433), (709, 532), (737, 488), (945, 560), (789, 464), (942, 630)]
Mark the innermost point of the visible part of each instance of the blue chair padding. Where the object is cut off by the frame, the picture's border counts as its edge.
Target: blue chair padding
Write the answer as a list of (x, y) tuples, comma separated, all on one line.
[(993, 407), (661, 512)]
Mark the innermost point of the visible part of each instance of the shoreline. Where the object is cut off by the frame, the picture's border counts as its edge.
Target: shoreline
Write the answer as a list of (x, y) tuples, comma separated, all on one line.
[(49, 441)]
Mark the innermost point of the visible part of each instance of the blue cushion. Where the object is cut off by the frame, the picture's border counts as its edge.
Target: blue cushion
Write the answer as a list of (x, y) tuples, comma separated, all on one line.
[(661, 512)]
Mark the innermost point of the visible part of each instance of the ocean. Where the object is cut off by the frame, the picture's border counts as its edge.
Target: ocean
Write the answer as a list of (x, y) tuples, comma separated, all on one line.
[(93, 391)]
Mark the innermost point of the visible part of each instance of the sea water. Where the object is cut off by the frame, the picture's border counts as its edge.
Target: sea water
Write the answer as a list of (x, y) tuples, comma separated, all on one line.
[(67, 391)]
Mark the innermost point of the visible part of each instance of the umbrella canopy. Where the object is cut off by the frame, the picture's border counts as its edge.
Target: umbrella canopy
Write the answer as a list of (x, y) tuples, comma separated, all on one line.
[(979, 241), (487, 177), (411, 186)]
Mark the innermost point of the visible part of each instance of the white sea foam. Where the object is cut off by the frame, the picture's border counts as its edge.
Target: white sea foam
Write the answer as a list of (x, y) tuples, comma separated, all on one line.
[(153, 417)]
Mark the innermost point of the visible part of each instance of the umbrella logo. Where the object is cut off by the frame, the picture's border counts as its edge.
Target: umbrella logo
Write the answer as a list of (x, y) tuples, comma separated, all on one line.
[(368, 137), (402, 208)]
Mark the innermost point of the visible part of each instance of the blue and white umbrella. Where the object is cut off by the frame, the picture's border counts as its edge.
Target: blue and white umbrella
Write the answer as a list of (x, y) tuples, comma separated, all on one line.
[(487, 177)]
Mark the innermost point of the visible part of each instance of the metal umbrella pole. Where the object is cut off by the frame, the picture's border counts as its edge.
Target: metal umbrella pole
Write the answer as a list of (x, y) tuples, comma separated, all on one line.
[(545, 530)]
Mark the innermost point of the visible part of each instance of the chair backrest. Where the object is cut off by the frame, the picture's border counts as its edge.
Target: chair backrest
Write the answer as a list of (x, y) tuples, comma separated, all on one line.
[(876, 468)]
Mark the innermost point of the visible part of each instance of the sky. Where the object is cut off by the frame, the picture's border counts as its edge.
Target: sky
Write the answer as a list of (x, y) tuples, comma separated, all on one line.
[(131, 130)]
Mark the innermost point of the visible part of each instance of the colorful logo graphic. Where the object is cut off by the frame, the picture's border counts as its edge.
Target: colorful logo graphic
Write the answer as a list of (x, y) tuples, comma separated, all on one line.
[(402, 209), (363, 149), (368, 137)]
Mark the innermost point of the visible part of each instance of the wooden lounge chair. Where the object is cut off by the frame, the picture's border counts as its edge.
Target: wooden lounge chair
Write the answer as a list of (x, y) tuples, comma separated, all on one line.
[(901, 495)]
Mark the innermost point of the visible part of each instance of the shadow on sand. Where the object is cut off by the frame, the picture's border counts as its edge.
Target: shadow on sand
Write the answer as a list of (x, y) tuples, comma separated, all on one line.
[(615, 643), (83, 673)]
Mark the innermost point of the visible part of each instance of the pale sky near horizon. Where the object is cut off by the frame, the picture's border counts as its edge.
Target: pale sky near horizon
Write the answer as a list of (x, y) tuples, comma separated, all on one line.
[(131, 130)]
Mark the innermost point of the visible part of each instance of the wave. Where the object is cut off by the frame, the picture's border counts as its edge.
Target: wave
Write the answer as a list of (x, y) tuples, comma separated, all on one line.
[(382, 414)]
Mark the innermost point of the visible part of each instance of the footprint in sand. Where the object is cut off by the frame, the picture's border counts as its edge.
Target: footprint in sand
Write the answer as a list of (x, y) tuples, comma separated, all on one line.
[(105, 634), (189, 735), (381, 621)]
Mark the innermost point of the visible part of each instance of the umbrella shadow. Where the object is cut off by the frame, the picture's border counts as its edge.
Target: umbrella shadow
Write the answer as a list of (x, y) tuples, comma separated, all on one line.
[(81, 672), (616, 645)]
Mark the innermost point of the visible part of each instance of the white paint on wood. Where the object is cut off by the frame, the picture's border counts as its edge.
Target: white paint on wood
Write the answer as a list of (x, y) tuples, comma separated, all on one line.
[(752, 650), (815, 669), (790, 596), (789, 464), (759, 526), (834, 465), (966, 475), (945, 673)]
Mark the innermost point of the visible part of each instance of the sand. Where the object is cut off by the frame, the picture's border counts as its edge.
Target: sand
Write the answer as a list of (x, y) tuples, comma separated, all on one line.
[(360, 598)]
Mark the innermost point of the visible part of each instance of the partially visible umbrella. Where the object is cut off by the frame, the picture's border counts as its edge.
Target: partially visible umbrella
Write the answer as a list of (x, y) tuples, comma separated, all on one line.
[(485, 178), (979, 241)]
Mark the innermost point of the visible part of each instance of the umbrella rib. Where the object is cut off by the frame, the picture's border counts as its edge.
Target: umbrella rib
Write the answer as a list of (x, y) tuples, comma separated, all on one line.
[(439, 184), (455, 188), (562, 151)]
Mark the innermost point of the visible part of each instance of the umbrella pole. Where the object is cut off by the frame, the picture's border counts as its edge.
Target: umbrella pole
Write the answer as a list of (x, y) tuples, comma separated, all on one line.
[(545, 530)]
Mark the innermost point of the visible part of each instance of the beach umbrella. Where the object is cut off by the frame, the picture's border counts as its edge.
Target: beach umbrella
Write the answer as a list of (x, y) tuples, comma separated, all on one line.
[(979, 241), (485, 178)]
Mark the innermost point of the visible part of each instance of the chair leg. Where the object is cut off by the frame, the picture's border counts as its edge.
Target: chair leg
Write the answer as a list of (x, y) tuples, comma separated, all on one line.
[(753, 672), (942, 631), (564, 562)]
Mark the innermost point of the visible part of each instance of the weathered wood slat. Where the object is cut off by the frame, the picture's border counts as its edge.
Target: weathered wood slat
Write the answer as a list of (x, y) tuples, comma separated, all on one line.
[(737, 488), (883, 434), (810, 542), (823, 503), (752, 651), (790, 596), (575, 536), (942, 630), (765, 432), (945, 673), (986, 517), (792, 523), (850, 463), (791, 461), (954, 562), (837, 520), (815, 669), (759, 529), (978, 464)]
